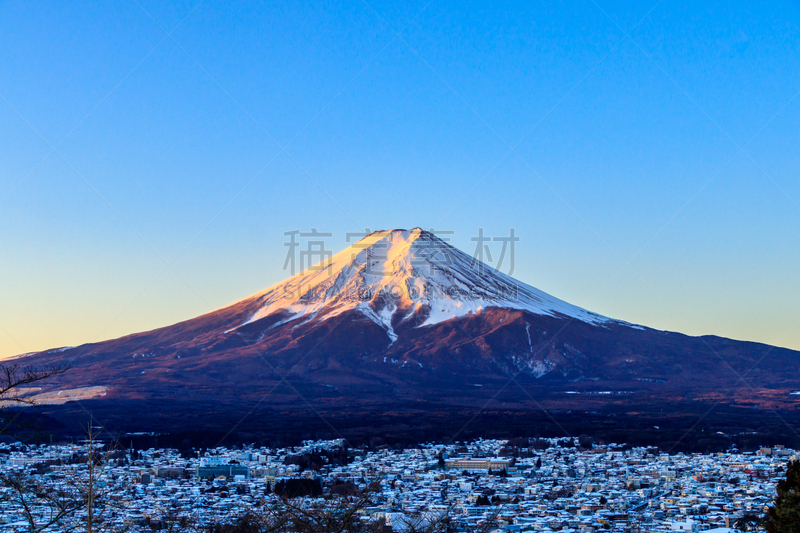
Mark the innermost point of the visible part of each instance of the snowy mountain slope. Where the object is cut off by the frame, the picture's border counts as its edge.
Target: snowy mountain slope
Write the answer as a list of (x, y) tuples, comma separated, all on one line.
[(398, 274)]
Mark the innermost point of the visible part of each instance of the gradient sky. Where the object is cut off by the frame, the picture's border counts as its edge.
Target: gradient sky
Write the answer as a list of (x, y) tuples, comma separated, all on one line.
[(152, 156)]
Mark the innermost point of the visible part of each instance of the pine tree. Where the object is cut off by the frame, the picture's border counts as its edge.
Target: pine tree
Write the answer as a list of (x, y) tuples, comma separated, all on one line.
[(784, 517)]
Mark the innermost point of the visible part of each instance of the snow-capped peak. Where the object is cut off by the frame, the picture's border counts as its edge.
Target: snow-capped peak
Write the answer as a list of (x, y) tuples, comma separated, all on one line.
[(407, 272)]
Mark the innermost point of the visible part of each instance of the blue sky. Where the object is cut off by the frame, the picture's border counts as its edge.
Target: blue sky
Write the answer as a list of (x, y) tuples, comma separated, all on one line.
[(153, 155)]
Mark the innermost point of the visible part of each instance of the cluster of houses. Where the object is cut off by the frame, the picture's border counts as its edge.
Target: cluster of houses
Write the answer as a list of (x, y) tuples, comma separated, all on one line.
[(549, 485)]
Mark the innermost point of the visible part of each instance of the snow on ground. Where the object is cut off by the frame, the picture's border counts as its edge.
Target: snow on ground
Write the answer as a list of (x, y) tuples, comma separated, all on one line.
[(407, 271), (56, 397)]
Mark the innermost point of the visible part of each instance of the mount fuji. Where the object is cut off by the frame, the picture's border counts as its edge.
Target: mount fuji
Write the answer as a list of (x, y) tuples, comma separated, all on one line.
[(403, 324)]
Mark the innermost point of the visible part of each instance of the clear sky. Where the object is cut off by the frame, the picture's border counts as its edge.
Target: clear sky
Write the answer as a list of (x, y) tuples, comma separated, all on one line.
[(152, 156)]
